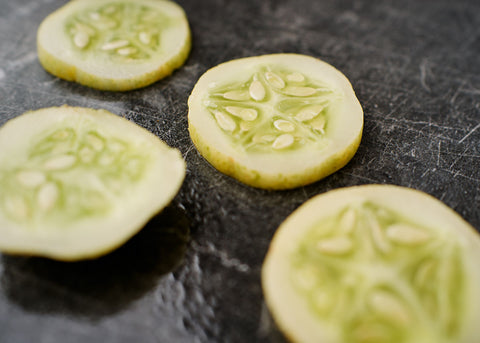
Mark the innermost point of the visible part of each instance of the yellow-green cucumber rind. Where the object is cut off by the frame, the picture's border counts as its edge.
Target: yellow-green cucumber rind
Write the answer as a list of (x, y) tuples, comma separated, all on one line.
[(90, 237), (228, 166)]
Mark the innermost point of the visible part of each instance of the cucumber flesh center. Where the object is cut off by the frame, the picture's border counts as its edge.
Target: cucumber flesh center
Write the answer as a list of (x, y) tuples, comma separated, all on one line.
[(120, 31), (70, 174), (275, 110), (375, 275)]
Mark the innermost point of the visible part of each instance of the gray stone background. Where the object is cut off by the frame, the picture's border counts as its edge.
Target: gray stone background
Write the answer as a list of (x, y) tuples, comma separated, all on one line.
[(193, 273)]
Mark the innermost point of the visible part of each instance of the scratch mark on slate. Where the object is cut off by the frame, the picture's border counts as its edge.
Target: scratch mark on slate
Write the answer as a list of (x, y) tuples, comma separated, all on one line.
[(360, 177), (424, 69), (439, 151), (469, 133), (225, 260), (458, 173), (457, 92), (22, 61), (460, 156)]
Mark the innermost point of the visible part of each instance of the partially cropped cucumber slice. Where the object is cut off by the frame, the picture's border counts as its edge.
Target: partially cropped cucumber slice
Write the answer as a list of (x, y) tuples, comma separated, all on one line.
[(76, 182), (114, 45), (374, 264), (275, 121)]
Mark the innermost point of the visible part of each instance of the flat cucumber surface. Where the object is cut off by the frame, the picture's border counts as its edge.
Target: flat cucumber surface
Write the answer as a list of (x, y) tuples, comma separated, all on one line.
[(363, 267), (68, 173), (114, 45), (275, 121)]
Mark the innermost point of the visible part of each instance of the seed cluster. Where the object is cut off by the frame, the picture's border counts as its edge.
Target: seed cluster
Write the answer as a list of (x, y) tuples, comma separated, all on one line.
[(343, 267), (71, 173), (274, 110), (118, 30)]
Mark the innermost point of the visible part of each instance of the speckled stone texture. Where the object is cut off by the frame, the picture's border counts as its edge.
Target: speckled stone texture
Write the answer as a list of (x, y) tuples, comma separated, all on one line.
[(193, 274)]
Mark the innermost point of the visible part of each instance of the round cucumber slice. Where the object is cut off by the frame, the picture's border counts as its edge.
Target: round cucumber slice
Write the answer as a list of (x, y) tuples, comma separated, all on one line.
[(374, 264), (77, 183), (114, 45), (275, 121)]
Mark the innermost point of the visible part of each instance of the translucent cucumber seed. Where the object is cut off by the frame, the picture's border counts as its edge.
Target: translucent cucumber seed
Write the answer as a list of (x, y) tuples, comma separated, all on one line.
[(31, 178), (145, 38), (283, 141), (115, 45), (86, 154), (347, 222), (60, 162), (225, 122), (257, 91), (295, 77), (81, 39), (126, 51), (94, 16), (274, 80), (95, 141), (386, 304), (319, 124), (237, 95), (300, 91), (246, 126), (106, 159), (62, 134), (306, 277), (377, 234), (263, 138), (85, 29), (284, 125), (47, 196), (322, 300), (309, 113), (424, 273), (248, 114), (335, 246), (406, 234)]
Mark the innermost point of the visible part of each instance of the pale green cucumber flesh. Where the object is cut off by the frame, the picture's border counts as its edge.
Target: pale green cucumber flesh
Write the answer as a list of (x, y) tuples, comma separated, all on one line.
[(120, 31), (276, 109), (70, 173), (379, 276)]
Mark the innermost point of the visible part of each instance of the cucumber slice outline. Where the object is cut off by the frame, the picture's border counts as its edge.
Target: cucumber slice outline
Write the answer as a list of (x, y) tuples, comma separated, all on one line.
[(293, 313), (87, 237), (59, 55), (290, 168)]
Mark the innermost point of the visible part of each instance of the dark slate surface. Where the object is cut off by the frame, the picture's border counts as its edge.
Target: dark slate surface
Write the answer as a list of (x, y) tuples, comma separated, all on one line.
[(193, 274)]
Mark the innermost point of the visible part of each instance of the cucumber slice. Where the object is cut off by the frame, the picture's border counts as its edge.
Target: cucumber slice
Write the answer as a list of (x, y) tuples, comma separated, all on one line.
[(275, 121), (77, 183), (374, 264), (114, 45)]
